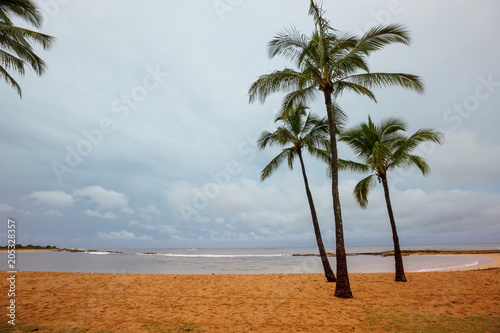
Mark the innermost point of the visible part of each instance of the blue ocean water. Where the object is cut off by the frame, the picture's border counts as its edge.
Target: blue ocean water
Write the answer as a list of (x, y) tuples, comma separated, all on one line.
[(239, 261)]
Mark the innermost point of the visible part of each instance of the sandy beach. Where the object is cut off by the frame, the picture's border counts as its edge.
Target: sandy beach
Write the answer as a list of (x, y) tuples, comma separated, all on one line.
[(246, 303), (28, 250)]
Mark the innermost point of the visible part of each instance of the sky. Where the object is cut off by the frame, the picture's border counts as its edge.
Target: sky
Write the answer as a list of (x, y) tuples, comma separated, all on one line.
[(140, 133)]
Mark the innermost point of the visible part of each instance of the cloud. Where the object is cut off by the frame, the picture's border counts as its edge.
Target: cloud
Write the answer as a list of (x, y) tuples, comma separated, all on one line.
[(435, 216), (53, 213), (164, 228), (121, 235), (150, 212), (95, 213), (167, 229), (466, 158), (54, 198), (6, 208), (104, 199), (137, 224), (109, 216)]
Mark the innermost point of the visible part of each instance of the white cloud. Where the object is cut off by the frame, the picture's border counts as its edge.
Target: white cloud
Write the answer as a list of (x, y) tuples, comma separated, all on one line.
[(55, 198), (134, 223), (167, 229), (121, 235), (6, 208), (150, 212), (109, 216), (104, 199), (94, 213), (53, 213)]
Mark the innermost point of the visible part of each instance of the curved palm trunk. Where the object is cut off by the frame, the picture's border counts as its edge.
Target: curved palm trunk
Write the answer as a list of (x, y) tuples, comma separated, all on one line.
[(330, 276), (343, 288), (400, 273)]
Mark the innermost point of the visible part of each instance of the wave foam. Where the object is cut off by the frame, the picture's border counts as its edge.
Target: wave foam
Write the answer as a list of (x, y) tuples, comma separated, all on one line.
[(475, 263)]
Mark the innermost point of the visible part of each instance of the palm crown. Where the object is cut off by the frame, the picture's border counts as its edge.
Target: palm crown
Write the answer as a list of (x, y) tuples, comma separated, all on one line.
[(16, 49), (383, 147), (299, 130), (331, 62)]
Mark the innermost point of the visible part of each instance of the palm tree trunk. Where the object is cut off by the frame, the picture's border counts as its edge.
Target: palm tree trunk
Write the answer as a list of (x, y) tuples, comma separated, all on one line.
[(343, 288), (330, 276), (400, 273)]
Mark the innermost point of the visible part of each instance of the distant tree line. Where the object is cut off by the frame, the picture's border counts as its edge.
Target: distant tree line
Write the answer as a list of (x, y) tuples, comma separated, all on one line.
[(32, 247)]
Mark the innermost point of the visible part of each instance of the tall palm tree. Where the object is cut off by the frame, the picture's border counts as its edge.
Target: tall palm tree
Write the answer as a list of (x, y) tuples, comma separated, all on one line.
[(299, 130), (331, 62), (16, 43), (381, 148)]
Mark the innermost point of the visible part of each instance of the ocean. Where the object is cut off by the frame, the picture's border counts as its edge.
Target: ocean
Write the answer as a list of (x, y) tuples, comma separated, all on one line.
[(240, 261)]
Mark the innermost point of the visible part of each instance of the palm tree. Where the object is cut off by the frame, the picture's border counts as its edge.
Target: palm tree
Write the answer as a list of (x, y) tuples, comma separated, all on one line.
[(16, 44), (381, 148), (299, 131), (331, 62)]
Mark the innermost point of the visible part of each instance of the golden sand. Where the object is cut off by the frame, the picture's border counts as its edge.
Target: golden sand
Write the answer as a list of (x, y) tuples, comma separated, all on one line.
[(243, 303)]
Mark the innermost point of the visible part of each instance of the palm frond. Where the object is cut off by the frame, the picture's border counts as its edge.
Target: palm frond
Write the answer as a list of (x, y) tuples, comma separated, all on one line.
[(9, 61), (287, 154), (362, 189), (299, 96), (347, 165), (10, 80), (414, 160), (384, 80), (289, 43), (406, 145), (322, 25), (340, 86), (282, 80), (22, 35), (380, 36), (23, 9)]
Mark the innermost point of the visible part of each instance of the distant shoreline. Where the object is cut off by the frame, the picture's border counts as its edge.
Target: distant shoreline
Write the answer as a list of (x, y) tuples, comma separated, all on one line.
[(29, 250)]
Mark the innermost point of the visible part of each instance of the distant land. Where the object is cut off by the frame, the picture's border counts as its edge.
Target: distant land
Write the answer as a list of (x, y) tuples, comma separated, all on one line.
[(31, 247)]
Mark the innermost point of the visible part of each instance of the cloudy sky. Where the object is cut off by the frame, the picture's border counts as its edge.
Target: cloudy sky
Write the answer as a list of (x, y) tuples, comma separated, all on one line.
[(140, 133)]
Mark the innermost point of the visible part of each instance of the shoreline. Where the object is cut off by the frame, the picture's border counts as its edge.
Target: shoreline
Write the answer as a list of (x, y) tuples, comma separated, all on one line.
[(246, 302), (29, 250), (493, 255), (492, 265)]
